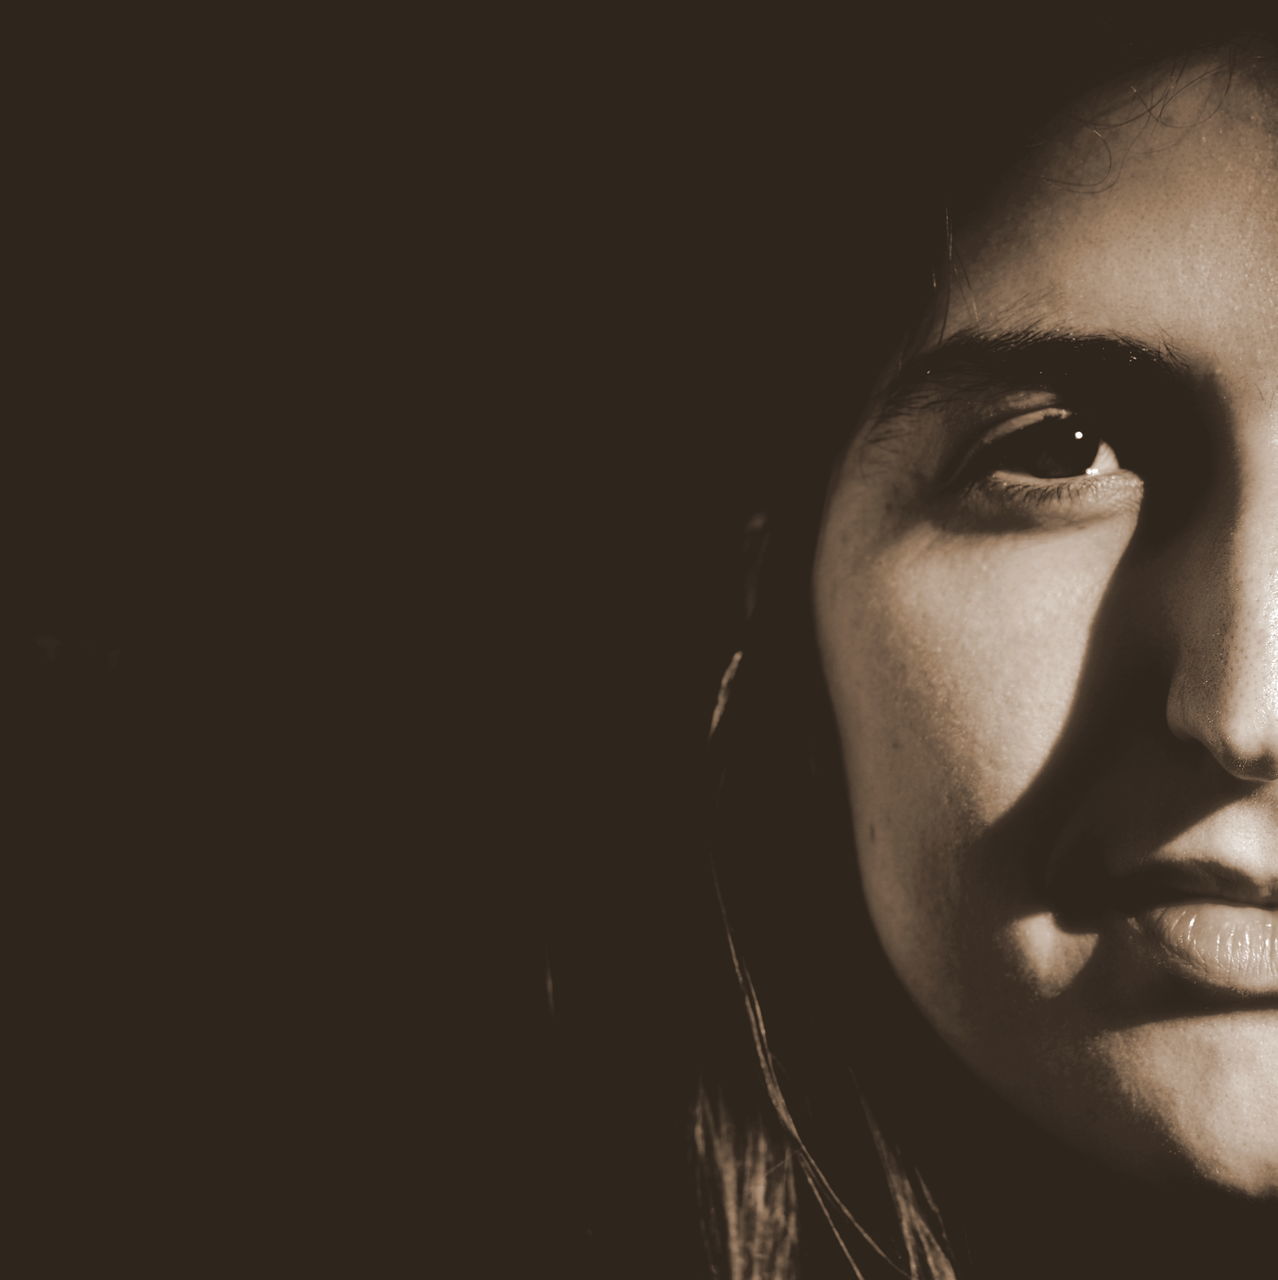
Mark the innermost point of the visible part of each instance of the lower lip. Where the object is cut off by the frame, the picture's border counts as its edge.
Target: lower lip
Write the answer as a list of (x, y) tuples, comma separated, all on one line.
[(1226, 945)]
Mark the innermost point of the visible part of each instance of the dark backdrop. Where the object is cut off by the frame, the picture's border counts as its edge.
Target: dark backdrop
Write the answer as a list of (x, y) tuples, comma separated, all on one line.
[(684, 274)]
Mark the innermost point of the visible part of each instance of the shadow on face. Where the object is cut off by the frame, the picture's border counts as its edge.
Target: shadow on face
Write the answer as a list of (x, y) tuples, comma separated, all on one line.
[(1055, 597)]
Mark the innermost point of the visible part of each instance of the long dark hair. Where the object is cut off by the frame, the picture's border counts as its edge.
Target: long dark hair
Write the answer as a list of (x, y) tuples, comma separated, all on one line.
[(825, 1123)]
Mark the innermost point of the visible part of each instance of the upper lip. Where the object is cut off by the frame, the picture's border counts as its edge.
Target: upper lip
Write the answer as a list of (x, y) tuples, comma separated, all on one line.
[(1163, 880), (1081, 886)]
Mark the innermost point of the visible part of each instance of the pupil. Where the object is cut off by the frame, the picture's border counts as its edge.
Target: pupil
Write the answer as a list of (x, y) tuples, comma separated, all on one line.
[(1053, 450)]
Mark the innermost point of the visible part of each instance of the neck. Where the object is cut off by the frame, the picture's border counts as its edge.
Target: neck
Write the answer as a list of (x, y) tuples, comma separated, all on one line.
[(1025, 1205)]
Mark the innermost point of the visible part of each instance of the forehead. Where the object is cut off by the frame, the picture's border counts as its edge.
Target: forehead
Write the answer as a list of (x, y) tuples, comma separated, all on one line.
[(1151, 211)]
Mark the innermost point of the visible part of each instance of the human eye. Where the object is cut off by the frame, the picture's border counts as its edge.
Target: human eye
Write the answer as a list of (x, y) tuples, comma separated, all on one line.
[(1046, 465)]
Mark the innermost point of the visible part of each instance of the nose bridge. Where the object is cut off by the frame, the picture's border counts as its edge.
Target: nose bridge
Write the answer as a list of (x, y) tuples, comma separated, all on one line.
[(1224, 688)]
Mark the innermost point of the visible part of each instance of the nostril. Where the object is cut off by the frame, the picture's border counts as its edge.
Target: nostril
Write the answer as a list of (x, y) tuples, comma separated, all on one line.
[(1255, 766), (1245, 752)]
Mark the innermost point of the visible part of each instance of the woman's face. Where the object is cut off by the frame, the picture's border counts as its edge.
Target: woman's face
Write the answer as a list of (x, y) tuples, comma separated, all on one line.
[(1047, 605)]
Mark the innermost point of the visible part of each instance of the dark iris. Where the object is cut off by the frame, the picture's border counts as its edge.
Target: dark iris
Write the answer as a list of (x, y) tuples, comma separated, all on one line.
[(1052, 449)]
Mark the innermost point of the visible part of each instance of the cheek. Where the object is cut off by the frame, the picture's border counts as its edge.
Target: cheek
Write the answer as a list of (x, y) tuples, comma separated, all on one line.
[(952, 665)]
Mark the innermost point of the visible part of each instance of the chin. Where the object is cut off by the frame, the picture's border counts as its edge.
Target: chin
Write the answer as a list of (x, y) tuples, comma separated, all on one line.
[(1189, 1101)]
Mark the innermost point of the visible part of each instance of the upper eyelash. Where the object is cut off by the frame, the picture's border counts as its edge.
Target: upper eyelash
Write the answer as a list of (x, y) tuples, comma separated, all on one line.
[(962, 469), (969, 463)]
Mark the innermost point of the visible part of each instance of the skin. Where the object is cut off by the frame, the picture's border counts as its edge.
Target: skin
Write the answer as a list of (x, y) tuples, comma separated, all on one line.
[(1039, 687)]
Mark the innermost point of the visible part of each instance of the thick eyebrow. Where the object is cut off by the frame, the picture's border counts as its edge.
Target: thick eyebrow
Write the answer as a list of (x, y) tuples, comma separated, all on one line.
[(973, 364)]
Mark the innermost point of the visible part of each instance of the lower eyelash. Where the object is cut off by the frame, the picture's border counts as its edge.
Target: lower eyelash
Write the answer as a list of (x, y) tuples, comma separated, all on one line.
[(990, 498), (1043, 494)]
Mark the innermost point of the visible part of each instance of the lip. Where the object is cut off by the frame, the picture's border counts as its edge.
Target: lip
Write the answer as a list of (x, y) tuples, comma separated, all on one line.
[(1207, 921), (1230, 946)]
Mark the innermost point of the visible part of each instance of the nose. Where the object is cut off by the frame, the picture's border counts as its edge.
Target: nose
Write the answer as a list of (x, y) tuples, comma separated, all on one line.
[(1224, 687)]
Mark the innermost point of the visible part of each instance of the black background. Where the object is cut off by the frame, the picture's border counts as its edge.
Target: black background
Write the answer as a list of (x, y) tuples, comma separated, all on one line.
[(388, 411), (212, 649)]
